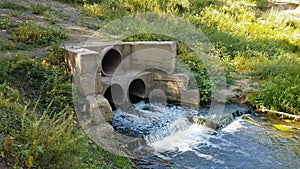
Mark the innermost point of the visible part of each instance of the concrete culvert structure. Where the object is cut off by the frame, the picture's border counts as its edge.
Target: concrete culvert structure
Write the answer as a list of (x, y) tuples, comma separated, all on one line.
[(136, 91), (110, 62), (115, 95)]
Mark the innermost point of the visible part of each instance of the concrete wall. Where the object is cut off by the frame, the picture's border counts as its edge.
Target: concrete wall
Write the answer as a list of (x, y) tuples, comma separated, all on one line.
[(124, 72)]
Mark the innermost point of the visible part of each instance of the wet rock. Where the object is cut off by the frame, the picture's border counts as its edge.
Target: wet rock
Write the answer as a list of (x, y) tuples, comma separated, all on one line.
[(230, 112)]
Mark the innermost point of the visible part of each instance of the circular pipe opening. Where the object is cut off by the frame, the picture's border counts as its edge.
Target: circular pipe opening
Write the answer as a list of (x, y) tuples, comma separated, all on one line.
[(136, 91), (114, 94), (110, 62)]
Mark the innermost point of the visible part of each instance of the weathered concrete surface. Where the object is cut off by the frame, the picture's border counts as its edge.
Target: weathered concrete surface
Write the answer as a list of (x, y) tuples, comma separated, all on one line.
[(154, 55), (140, 55), (82, 60), (135, 68)]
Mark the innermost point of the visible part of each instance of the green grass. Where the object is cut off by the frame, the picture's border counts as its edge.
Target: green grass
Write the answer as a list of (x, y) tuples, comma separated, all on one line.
[(36, 97), (36, 111), (247, 39), (280, 86)]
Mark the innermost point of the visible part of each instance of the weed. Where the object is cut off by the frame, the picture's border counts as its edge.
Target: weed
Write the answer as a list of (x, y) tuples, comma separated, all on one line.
[(38, 35), (93, 10), (7, 45), (49, 15), (280, 88), (39, 9), (12, 5), (37, 78), (262, 4), (4, 23), (51, 139)]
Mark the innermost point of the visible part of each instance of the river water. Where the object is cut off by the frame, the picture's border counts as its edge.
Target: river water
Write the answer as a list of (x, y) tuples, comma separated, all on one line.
[(179, 143)]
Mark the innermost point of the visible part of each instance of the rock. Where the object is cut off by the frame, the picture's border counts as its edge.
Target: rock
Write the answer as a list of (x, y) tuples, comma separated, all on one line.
[(99, 109)]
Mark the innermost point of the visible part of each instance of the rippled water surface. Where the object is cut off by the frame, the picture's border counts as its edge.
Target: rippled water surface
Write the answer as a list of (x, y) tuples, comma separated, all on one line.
[(178, 143)]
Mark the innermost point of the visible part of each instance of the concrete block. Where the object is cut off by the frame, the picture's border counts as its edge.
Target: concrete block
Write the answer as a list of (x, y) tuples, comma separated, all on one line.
[(88, 83), (81, 60), (153, 55)]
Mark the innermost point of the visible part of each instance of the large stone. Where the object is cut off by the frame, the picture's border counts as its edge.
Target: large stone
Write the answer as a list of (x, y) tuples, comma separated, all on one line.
[(99, 109)]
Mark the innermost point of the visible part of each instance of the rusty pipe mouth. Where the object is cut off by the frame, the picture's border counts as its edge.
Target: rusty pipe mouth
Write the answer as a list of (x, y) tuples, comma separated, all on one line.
[(110, 62), (136, 91), (115, 95)]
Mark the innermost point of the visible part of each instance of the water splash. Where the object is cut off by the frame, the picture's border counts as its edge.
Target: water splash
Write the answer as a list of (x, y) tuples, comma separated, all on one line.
[(152, 122)]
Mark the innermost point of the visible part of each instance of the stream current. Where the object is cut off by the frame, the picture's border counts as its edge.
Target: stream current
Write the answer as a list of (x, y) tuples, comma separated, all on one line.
[(179, 143)]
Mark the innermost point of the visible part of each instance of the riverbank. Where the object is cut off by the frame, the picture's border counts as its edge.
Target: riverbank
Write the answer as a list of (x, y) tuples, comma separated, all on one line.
[(257, 42)]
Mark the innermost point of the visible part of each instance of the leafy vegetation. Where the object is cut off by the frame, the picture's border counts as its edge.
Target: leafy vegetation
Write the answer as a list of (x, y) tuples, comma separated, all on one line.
[(37, 125), (280, 88), (248, 39), (4, 22), (12, 5), (38, 35), (38, 9), (8, 45), (38, 128)]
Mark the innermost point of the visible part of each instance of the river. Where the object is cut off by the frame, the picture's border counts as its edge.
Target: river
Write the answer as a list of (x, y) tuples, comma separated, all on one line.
[(179, 143)]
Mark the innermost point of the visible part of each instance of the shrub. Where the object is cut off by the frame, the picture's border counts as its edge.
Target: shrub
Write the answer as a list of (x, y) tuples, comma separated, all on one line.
[(51, 16), (4, 23), (38, 9), (10, 109), (262, 4), (38, 35), (93, 10), (54, 139)]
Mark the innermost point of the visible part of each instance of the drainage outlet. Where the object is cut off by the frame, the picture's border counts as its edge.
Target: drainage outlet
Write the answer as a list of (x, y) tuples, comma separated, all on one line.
[(115, 95), (110, 62), (136, 91)]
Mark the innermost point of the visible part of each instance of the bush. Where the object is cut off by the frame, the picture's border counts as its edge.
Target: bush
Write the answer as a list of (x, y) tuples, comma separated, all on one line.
[(262, 4), (39, 9), (93, 10), (4, 23), (38, 35), (54, 139)]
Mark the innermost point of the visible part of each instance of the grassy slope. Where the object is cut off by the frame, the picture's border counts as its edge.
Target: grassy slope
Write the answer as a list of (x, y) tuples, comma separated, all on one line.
[(261, 44), (258, 42), (38, 128)]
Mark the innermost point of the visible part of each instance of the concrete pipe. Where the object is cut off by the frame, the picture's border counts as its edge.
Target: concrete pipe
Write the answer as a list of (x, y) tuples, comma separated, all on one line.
[(115, 95), (136, 91), (110, 62)]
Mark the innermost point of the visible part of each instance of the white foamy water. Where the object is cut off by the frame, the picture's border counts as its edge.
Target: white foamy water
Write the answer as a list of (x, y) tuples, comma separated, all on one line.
[(182, 144), (235, 126), (193, 138)]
